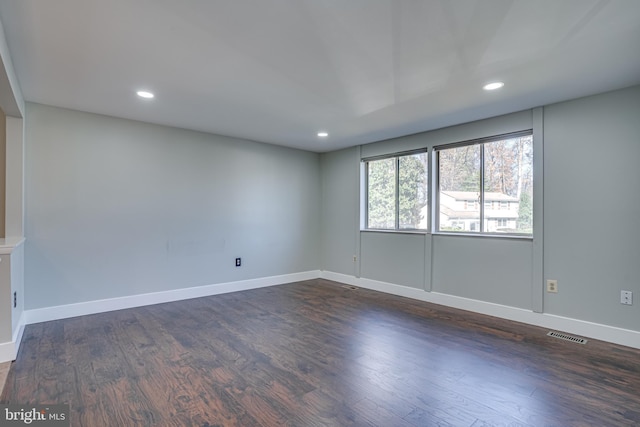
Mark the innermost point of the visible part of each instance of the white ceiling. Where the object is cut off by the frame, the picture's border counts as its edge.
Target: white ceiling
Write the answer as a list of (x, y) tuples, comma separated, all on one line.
[(279, 71)]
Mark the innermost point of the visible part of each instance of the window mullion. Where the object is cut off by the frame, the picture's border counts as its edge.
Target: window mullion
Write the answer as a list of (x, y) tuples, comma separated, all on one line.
[(366, 195), (481, 188), (397, 193), (435, 189)]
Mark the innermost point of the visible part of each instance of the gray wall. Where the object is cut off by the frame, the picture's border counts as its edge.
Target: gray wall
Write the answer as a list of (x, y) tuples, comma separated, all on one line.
[(397, 258), (591, 209), (466, 267), (117, 207), (340, 222), (496, 270)]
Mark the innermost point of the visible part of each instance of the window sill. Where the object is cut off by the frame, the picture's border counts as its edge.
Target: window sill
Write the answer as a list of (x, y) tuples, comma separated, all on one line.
[(373, 230), (454, 234), (485, 235)]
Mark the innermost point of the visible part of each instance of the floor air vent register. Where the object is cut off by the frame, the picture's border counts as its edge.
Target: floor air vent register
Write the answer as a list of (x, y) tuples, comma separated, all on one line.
[(566, 337)]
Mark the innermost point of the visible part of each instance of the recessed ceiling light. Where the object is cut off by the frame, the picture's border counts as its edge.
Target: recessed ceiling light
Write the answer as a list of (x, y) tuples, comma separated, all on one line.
[(323, 134), (145, 94), (493, 86)]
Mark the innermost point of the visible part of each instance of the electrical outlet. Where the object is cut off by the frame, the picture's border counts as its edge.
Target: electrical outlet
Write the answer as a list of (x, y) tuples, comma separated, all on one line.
[(552, 286), (238, 262), (355, 259), (626, 297)]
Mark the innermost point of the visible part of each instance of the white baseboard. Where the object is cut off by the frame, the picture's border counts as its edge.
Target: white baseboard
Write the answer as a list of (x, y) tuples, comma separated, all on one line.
[(9, 350), (583, 328), (100, 306), (629, 338)]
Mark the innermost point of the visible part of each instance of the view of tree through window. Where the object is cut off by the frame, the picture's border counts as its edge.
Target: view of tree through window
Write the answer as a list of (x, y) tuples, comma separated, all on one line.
[(506, 203), (381, 198), (397, 191)]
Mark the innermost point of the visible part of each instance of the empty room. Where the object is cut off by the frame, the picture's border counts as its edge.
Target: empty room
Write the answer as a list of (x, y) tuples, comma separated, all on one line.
[(386, 213)]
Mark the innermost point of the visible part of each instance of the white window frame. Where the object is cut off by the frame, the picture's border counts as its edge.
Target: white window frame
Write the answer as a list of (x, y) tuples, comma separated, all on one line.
[(396, 156)]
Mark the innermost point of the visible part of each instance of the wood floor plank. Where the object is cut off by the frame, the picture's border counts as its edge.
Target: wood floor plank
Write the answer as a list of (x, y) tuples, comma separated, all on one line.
[(313, 353)]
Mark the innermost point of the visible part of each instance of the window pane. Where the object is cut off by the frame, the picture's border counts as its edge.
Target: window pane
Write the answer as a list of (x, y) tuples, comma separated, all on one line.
[(413, 191), (381, 194), (459, 188), (508, 184)]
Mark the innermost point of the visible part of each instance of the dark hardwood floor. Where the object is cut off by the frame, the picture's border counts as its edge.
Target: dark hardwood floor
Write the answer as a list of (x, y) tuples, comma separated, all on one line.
[(316, 354)]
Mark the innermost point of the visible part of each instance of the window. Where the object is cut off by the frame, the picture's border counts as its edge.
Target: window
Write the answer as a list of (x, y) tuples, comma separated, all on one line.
[(470, 205), (491, 174), (397, 192)]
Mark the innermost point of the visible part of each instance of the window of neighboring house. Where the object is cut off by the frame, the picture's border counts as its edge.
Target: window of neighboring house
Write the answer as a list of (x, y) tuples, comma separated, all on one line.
[(397, 192), (478, 174), (470, 204)]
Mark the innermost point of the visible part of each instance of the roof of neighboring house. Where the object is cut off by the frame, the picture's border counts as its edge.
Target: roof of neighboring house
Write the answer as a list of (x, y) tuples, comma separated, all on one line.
[(489, 196), (451, 214), (489, 214)]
